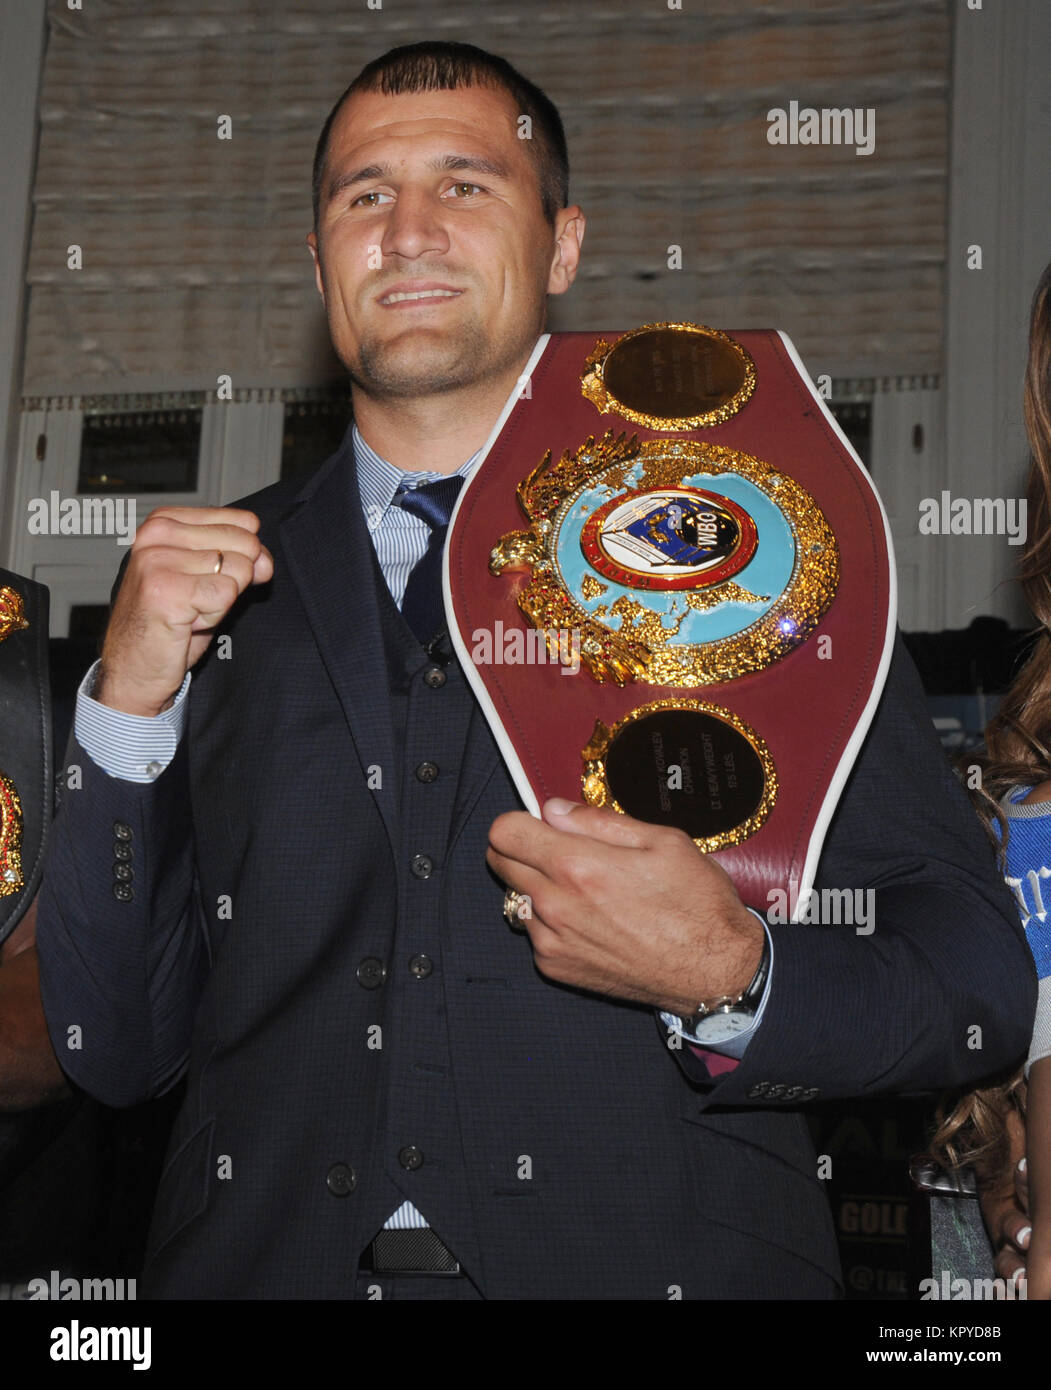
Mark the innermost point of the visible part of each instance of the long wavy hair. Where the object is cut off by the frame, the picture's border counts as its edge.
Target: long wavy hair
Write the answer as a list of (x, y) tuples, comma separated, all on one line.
[(1017, 749)]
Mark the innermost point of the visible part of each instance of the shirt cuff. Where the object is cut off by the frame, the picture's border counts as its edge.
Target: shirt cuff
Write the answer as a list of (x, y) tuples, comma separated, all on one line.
[(738, 1044), (128, 746)]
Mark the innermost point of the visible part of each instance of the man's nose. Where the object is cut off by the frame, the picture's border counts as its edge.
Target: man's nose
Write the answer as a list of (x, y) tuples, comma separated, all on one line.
[(415, 226)]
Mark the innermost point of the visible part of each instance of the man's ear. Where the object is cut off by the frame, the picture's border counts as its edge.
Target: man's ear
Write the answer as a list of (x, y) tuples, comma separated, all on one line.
[(312, 243), (569, 233)]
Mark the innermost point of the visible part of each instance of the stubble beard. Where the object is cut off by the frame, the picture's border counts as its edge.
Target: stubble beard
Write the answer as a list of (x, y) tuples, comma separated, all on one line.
[(434, 363), (421, 364)]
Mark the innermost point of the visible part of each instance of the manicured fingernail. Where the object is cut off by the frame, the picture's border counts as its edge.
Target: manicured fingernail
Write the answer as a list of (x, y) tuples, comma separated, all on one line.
[(1021, 1164), (1023, 1236), (559, 806)]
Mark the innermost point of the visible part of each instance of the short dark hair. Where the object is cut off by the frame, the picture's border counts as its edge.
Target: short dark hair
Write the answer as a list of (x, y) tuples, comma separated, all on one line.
[(433, 67)]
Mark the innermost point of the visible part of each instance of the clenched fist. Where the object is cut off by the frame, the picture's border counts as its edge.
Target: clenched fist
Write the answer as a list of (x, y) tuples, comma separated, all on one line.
[(173, 595)]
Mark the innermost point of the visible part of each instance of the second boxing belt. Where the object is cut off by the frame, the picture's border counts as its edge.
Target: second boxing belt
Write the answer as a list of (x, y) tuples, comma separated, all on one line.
[(26, 787), (671, 586)]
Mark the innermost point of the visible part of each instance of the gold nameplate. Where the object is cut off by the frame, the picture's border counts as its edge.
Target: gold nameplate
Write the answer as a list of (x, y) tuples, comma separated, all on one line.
[(670, 376), (683, 763)]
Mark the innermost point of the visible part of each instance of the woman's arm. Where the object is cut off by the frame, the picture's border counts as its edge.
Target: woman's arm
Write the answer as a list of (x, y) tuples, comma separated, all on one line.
[(1038, 1166)]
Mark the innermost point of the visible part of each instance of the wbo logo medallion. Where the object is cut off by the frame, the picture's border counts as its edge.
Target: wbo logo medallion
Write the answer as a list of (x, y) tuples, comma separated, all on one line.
[(674, 538)]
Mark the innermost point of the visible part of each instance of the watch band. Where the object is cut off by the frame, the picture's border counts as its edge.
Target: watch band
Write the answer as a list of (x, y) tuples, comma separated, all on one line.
[(749, 996)]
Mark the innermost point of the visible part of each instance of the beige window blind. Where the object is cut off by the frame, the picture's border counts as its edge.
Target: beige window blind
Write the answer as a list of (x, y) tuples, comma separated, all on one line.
[(194, 260)]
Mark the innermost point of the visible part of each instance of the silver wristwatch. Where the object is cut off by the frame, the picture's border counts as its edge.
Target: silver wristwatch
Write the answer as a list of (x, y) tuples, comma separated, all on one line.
[(723, 1018)]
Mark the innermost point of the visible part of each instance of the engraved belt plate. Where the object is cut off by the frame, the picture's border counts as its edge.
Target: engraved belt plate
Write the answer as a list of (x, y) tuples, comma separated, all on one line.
[(670, 376), (685, 763)]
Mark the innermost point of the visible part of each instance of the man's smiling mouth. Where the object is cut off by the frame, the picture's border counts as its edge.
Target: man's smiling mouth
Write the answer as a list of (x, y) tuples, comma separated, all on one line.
[(409, 296)]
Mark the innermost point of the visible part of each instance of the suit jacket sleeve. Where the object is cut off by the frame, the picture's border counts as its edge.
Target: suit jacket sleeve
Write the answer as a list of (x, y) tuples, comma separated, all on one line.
[(942, 992), (120, 975)]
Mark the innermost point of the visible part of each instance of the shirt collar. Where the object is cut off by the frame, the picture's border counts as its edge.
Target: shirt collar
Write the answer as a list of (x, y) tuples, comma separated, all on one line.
[(379, 480)]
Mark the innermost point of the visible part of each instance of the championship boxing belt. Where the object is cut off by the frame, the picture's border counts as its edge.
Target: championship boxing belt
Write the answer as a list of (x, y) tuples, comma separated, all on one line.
[(670, 584), (26, 789)]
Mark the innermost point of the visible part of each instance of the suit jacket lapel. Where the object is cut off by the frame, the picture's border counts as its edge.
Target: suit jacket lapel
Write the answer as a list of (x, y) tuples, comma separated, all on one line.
[(330, 558)]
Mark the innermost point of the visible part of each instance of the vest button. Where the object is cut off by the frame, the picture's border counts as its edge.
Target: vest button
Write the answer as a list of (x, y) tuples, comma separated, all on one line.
[(410, 1158), (434, 676), (371, 973), (421, 966), (427, 772), (341, 1180), (422, 866)]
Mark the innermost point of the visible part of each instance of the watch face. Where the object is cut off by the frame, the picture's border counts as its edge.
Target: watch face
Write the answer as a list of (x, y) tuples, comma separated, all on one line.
[(719, 1027)]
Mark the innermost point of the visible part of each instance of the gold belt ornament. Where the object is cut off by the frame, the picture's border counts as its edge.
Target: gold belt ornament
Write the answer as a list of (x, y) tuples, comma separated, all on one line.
[(644, 621), (12, 619)]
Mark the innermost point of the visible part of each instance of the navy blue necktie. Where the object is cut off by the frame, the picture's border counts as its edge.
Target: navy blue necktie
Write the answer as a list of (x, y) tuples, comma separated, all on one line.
[(422, 606)]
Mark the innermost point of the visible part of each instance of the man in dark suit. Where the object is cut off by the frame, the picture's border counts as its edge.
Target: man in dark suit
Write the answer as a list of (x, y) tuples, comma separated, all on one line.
[(276, 880)]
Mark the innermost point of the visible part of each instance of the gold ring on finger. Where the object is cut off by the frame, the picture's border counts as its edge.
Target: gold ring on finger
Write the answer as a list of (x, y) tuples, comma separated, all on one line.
[(517, 907)]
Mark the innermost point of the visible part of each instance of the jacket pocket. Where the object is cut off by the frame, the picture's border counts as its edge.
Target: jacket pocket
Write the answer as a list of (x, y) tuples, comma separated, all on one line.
[(182, 1194), (757, 1173)]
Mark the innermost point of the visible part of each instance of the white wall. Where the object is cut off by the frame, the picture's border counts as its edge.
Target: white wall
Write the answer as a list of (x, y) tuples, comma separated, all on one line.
[(1000, 184), (22, 35)]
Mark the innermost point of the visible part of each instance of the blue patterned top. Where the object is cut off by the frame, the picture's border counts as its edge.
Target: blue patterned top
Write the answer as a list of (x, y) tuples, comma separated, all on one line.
[(1028, 871)]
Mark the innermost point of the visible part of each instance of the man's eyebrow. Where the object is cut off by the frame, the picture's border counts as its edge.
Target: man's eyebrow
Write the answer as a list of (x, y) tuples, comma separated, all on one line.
[(446, 163), (475, 163)]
